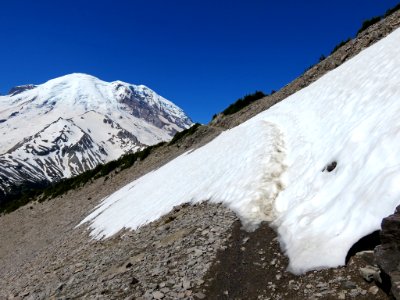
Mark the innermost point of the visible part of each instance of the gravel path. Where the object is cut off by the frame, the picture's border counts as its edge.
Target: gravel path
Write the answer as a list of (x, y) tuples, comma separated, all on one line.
[(166, 258)]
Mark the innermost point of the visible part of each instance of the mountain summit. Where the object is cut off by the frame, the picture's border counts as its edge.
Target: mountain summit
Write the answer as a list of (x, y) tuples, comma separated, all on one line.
[(72, 123)]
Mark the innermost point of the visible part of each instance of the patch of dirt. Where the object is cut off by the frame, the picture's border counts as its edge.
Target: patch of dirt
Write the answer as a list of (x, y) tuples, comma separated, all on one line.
[(253, 267)]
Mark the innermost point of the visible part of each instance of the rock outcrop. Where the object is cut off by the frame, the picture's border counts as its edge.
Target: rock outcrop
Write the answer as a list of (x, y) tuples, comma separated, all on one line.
[(21, 88), (387, 254)]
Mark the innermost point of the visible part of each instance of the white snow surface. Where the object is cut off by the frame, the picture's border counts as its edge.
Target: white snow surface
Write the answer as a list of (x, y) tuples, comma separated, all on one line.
[(271, 167)]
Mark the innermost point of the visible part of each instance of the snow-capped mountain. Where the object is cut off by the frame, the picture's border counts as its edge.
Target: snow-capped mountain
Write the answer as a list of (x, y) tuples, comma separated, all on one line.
[(73, 123), (323, 165)]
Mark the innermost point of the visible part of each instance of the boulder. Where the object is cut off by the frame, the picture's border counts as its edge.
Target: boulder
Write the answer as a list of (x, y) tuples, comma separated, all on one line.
[(387, 255)]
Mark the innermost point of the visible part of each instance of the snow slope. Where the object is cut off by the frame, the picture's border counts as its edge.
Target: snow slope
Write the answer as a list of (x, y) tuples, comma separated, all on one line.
[(111, 118), (275, 166)]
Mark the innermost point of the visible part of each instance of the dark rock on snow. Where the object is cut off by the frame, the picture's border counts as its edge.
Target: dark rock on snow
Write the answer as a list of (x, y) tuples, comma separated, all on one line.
[(21, 88)]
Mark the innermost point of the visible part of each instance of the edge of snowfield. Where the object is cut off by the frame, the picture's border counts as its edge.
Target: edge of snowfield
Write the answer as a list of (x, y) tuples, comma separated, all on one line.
[(270, 167)]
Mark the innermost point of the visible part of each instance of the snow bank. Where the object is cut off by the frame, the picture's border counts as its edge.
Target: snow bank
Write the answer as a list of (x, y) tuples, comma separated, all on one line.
[(231, 169), (273, 167)]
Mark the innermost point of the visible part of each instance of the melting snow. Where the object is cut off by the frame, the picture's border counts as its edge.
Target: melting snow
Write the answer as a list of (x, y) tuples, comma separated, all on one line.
[(274, 166)]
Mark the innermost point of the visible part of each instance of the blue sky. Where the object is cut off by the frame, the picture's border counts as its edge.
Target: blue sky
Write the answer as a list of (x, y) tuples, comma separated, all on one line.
[(202, 55)]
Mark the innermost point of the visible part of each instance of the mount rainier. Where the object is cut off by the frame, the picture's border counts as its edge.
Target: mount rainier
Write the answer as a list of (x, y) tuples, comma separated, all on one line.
[(71, 124)]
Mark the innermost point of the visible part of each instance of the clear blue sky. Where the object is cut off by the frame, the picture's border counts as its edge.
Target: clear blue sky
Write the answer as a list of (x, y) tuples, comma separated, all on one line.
[(202, 55)]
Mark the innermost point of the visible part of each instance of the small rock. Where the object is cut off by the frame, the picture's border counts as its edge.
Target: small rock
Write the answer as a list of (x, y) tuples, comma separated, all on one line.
[(349, 285), (156, 271), (60, 287), (188, 293), (24, 294), (191, 263), (171, 282), (318, 295), (354, 293), (200, 282), (158, 295), (367, 256), (200, 295), (341, 295), (177, 286), (164, 290), (369, 273), (373, 290), (186, 284), (322, 286), (395, 279), (205, 232), (198, 252), (293, 285)]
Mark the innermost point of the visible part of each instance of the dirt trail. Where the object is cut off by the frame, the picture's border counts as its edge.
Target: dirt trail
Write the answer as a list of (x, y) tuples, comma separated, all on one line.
[(253, 267)]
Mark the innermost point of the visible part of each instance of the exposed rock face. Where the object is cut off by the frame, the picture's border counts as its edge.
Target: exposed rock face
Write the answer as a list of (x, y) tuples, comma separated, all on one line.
[(143, 103), (388, 253), (21, 88)]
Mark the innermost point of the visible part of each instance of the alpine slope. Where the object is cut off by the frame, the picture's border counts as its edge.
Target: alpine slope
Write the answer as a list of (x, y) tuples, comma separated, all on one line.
[(323, 166)]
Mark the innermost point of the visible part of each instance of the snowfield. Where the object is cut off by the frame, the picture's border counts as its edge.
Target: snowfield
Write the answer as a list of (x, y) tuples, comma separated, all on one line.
[(274, 166)]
